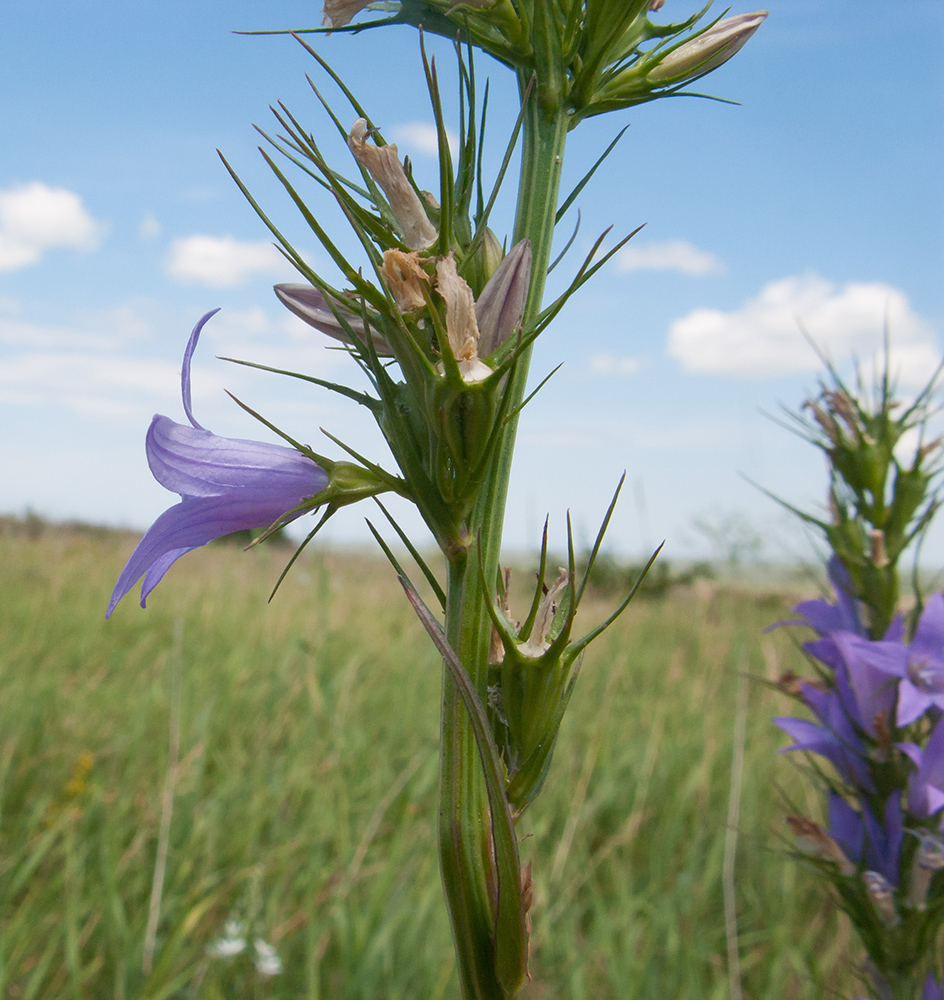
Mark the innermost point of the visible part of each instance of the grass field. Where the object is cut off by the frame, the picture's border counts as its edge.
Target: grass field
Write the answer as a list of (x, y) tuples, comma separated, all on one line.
[(216, 758)]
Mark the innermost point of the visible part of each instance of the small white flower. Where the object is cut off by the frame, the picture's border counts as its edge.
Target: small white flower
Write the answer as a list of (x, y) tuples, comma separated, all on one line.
[(231, 943), (266, 959)]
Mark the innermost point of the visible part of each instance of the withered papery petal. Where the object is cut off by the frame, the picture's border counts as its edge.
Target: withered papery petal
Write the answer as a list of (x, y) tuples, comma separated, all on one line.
[(383, 164), (537, 643), (405, 278), (500, 307), (461, 325), (309, 305), (337, 13)]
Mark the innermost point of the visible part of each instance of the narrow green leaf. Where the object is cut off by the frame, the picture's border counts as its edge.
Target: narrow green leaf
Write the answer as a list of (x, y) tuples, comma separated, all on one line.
[(511, 936), (414, 553)]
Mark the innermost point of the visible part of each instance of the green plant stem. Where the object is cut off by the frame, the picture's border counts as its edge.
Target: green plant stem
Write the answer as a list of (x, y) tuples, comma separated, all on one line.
[(466, 856)]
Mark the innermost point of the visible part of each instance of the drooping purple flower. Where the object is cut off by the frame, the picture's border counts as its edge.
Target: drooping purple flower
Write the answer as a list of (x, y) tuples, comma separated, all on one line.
[(920, 665), (836, 739), (867, 692), (861, 835), (225, 485), (846, 827), (883, 839), (926, 785), (933, 990), (843, 616)]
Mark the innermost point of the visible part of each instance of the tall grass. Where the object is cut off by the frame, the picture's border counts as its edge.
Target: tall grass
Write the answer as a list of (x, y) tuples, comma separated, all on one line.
[(219, 758)]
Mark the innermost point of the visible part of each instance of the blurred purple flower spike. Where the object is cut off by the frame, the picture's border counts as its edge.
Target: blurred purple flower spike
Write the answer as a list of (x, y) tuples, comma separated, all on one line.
[(843, 616), (920, 666), (926, 785), (932, 989), (225, 485)]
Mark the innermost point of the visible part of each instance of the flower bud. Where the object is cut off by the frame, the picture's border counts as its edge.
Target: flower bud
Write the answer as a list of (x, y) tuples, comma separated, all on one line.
[(707, 51), (879, 552), (309, 305), (928, 859), (811, 838), (500, 307), (882, 894)]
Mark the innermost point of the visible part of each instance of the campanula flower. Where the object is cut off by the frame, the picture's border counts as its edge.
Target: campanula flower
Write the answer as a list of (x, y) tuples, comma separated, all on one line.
[(225, 485), (835, 739), (932, 989), (926, 785), (843, 616)]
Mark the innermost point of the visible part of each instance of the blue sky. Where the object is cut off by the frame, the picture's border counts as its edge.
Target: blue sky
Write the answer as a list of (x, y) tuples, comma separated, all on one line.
[(818, 201)]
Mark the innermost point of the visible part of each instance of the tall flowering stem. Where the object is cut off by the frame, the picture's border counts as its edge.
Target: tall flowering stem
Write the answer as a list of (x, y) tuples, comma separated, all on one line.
[(465, 851), (441, 322), (877, 691)]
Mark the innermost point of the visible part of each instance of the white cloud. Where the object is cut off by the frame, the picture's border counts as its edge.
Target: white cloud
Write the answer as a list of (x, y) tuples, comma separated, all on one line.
[(221, 261), (421, 138), (99, 330), (35, 217), (87, 381), (611, 364), (764, 336), (670, 255)]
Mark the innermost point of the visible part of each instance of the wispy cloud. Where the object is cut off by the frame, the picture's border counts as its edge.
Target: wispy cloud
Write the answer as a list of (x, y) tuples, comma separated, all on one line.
[(35, 218), (149, 228), (612, 364), (764, 336), (221, 261), (415, 138), (670, 255)]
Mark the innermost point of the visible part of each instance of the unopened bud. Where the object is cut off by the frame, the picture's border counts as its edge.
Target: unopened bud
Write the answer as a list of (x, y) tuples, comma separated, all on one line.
[(840, 403), (500, 307), (308, 304), (383, 164), (811, 838), (928, 859), (879, 552), (825, 420), (882, 894), (929, 448), (883, 737), (834, 512), (707, 51)]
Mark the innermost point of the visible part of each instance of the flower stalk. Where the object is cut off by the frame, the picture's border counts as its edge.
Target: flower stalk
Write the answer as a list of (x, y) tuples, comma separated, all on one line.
[(442, 323)]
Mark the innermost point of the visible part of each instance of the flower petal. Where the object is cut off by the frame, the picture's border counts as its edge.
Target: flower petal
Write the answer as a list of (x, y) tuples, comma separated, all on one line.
[(191, 523), (500, 306), (185, 367), (928, 639), (197, 463)]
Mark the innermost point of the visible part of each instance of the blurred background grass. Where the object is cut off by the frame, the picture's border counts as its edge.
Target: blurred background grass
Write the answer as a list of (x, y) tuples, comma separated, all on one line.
[(216, 758)]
